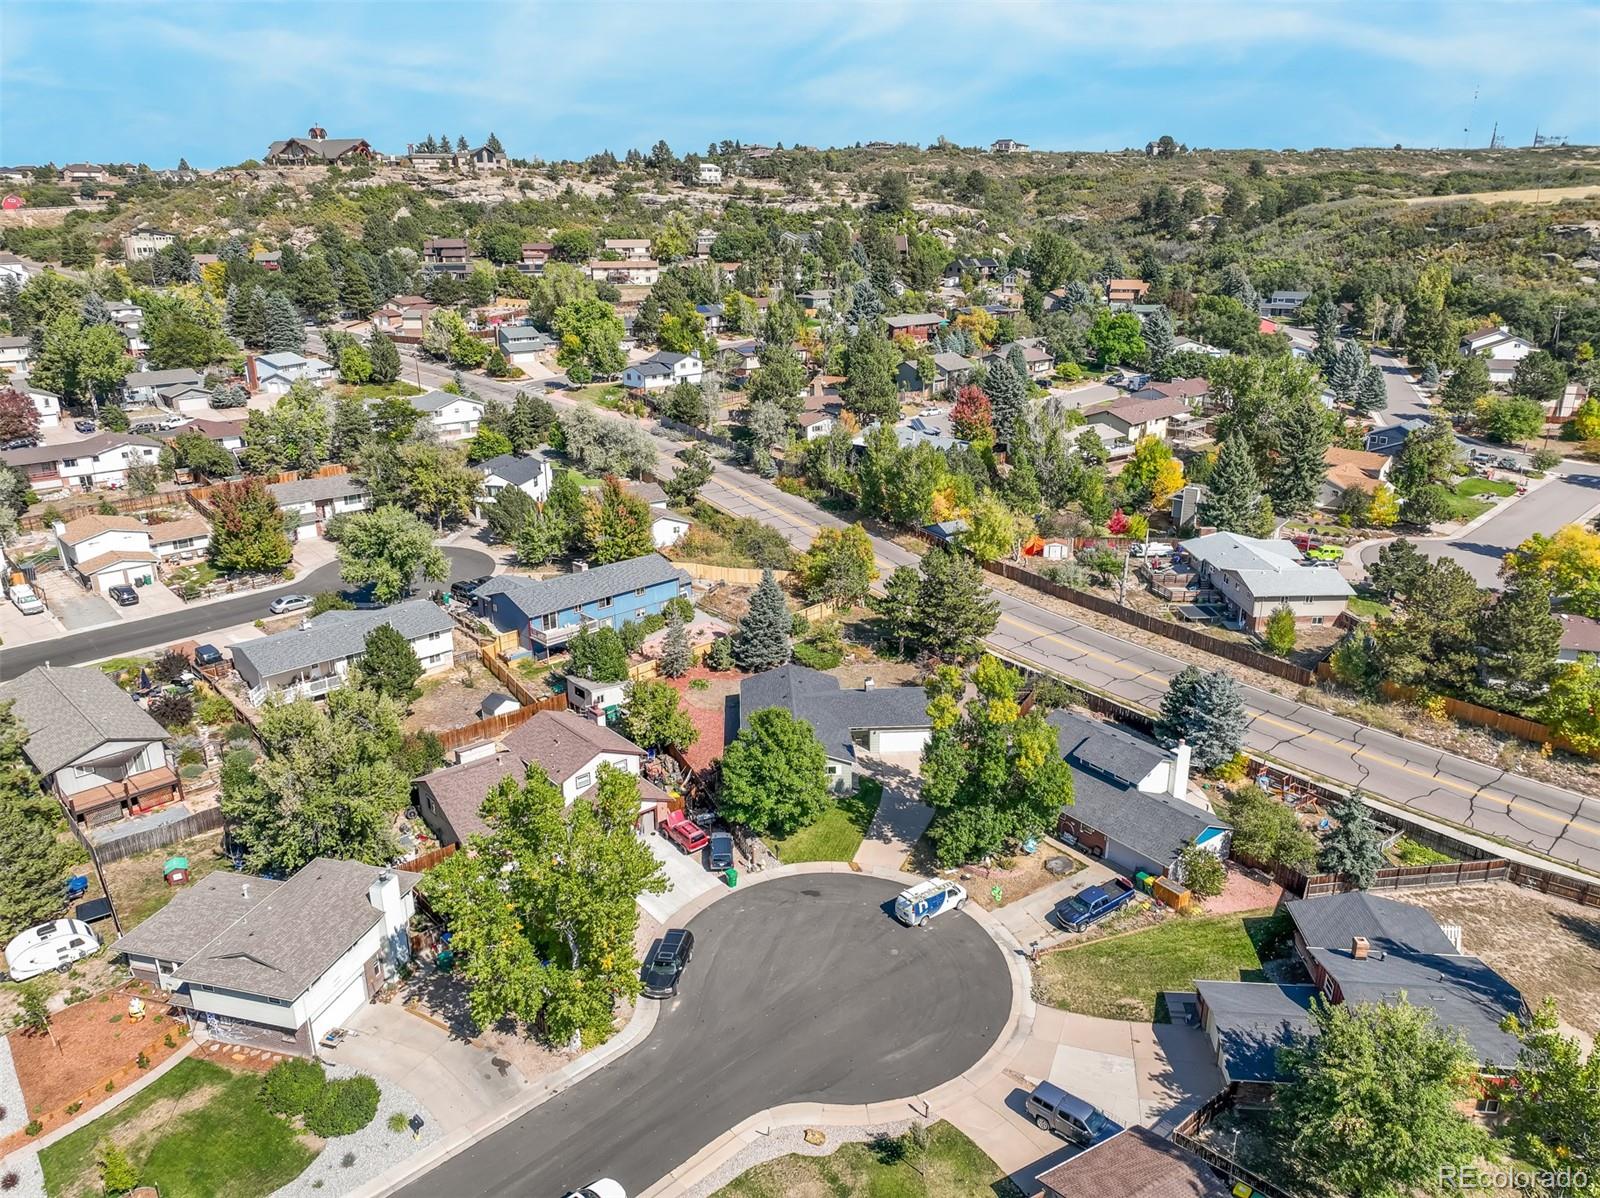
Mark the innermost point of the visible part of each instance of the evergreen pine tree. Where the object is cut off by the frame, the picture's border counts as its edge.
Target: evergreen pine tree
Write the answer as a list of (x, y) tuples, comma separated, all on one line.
[(493, 145), (1158, 338), (355, 290), (1348, 368), (1008, 398), (286, 332), (1207, 711), (1325, 324), (36, 856), (94, 310), (385, 358), (954, 609), (1352, 847), (1370, 396), (720, 658), (1305, 432), (675, 659), (1520, 638), (1233, 491), (761, 642)]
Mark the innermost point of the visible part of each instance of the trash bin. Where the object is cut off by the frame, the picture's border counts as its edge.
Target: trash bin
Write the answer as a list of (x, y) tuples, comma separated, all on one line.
[(731, 876), (1142, 880)]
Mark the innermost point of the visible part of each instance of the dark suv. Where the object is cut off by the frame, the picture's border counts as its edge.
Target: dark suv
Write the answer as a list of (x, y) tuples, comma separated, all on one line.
[(664, 969)]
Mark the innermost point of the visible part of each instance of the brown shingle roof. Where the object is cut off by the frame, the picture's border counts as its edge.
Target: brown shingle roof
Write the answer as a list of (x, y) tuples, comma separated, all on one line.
[(1579, 633), (1135, 1163), (1354, 468), (179, 530), (1138, 411), (102, 560), (85, 527), (562, 743)]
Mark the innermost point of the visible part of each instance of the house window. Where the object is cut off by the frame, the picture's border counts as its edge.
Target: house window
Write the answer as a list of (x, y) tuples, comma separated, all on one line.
[(639, 593), (1487, 1106), (604, 603), (1316, 619), (583, 781), (548, 621)]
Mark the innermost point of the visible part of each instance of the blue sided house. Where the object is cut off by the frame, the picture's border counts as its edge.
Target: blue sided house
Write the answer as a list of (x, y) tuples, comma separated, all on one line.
[(547, 612)]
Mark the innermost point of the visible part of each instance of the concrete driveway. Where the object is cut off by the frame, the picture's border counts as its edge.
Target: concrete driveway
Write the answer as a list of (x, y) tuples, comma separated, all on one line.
[(76, 607), (902, 816), (687, 876), (1028, 919), (457, 1080)]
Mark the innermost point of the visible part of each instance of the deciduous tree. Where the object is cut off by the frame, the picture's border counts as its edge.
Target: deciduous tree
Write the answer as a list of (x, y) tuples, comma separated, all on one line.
[(839, 567), (616, 525), (1570, 560), (1552, 1103), (388, 547), (654, 719), (774, 774), (1571, 707), (247, 529)]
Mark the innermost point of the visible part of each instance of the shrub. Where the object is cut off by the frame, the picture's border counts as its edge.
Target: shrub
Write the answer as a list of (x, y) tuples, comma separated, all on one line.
[(344, 1108), (117, 1173), (1203, 872), (293, 1087), (191, 756), (1232, 770), (347, 1160), (142, 1060), (213, 710), (816, 657), (169, 1041), (34, 1127), (110, 1086), (237, 733), (74, 1107), (172, 711), (10, 1180), (397, 1123)]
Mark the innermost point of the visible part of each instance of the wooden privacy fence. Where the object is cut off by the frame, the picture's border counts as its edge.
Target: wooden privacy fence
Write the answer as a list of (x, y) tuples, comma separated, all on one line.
[(207, 819), (734, 575), (423, 862), (496, 665), (126, 505), (494, 726)]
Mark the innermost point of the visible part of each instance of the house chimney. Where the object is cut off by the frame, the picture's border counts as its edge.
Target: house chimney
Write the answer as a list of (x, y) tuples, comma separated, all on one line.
[(868, 683), (1360, 947), (579, 566), (1180, 770), (250, 371), (384, 895)]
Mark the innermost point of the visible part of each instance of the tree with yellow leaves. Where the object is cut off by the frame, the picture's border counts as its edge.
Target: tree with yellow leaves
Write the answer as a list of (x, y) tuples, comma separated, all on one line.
[(1569, 560), (1384, 509)]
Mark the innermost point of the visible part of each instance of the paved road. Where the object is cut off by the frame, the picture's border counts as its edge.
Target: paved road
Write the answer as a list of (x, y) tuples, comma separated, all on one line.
[(803, 989), (193, 623), (1552, 821)]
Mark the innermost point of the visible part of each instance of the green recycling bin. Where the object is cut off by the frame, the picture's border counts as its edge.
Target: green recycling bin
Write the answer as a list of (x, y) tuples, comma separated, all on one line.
[(731, 876)]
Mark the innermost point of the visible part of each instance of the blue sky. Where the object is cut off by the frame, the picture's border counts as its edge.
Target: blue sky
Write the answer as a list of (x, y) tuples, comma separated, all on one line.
[(214, 82)]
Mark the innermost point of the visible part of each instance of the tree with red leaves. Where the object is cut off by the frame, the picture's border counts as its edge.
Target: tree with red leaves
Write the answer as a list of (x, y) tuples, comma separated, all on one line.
[(972, 414), (18, 416)]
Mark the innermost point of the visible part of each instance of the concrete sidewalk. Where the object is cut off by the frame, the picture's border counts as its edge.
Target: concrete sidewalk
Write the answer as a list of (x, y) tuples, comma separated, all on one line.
[(902, 816)]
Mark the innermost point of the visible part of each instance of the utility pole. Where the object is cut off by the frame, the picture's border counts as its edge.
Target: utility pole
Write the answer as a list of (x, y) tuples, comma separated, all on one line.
[(1558, 312)]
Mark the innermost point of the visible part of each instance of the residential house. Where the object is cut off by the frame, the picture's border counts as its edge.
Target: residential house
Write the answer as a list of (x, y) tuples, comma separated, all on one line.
[(817, 300), (228, 434), (46, 403), (634, 272), (1495, 341), (1131, 800), (1360, 948), (1124, 293), (1255, 576), (150, 388), (13, 268), (1008, 145), (448, 255), (180, 540), (315, 501), (404, 318), (546, 613), (316, 148), (485, 159), (1191, 346), (1135, 1163), (268, 259), (668, 527), (1580, 635), (95, 748), (1348, 468), (144, 243), (1282, 305), (129, 319), (703, 241), (15, 352), (317, 657), (1133, 416), (522, 344), (710, 174), (1191, 391), (534, 256), (946, 531), (1388, 438), (1040, 364), (98, 461), (663, 370), (879, 720), (274, 374), (819, 416), (277, 964), (919, 326), (633, 249), (186, 400), (568, 749), (1186, 505), (454, 417), (528, 473), (84, 172), (951, 371), (107, 551), (427, 160)]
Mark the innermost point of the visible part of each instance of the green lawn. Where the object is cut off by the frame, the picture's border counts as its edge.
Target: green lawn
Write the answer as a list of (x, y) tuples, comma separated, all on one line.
[(953, 1167), (1121, 977), (199, 1131), (1485, 486), (836, 834), (378, 390), (1464, 499), (1406, 851), (1368, 608)]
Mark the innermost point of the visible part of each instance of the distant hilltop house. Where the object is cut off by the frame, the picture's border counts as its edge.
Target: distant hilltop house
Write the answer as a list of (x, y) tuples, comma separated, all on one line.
[(145, 242), (317, 148), (482, 158), (710, 173), (1008, 145)]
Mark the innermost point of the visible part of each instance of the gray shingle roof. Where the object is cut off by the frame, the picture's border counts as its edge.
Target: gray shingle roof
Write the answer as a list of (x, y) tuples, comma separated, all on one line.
[(1334, 920), (1270, 569), (195, 917), (161, 378), (293, 934), (1104, 761), (1253, 1020), (913, 320), (70, 711), (436, 401), (335, 635), (516, 469), (538, 597), (310, 490), (89, 447), (831, 711)]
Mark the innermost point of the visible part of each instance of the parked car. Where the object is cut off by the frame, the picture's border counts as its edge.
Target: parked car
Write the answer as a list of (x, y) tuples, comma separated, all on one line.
[(172, 422), (664, 970), (146, 427), (285, 603), (923, 901), (1091, 905), (124, 596), (1509, 463), (463, 588), (1054, 1110), (46, 946), (684, 832), (26, 601), (602, 1188), (84, 426), (21, 443), (719, 855), (207, 655)]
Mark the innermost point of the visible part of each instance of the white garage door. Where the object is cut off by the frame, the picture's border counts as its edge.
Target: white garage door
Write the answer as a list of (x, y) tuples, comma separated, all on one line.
[(898, 740)]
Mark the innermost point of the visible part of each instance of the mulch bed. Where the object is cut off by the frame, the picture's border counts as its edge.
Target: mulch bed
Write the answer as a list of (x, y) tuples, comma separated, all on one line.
[(706, 708)]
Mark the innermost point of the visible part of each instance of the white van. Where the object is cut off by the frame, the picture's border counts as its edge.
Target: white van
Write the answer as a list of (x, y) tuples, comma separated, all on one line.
[(54, 945), (27, 602), (923, 901)]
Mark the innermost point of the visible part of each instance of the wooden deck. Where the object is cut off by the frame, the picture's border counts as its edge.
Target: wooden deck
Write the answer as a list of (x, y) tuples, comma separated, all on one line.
[(141, 792)]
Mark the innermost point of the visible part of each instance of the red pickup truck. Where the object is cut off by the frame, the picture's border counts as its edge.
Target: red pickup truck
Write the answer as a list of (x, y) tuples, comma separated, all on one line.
[(684, 832)]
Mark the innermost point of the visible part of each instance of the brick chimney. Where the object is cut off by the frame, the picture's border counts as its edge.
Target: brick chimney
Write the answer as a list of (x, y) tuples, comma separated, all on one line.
[(1360, 947), (250, 381)]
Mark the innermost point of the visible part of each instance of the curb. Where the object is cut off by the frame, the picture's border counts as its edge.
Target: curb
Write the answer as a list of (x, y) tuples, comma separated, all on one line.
[(1018, 1027)]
